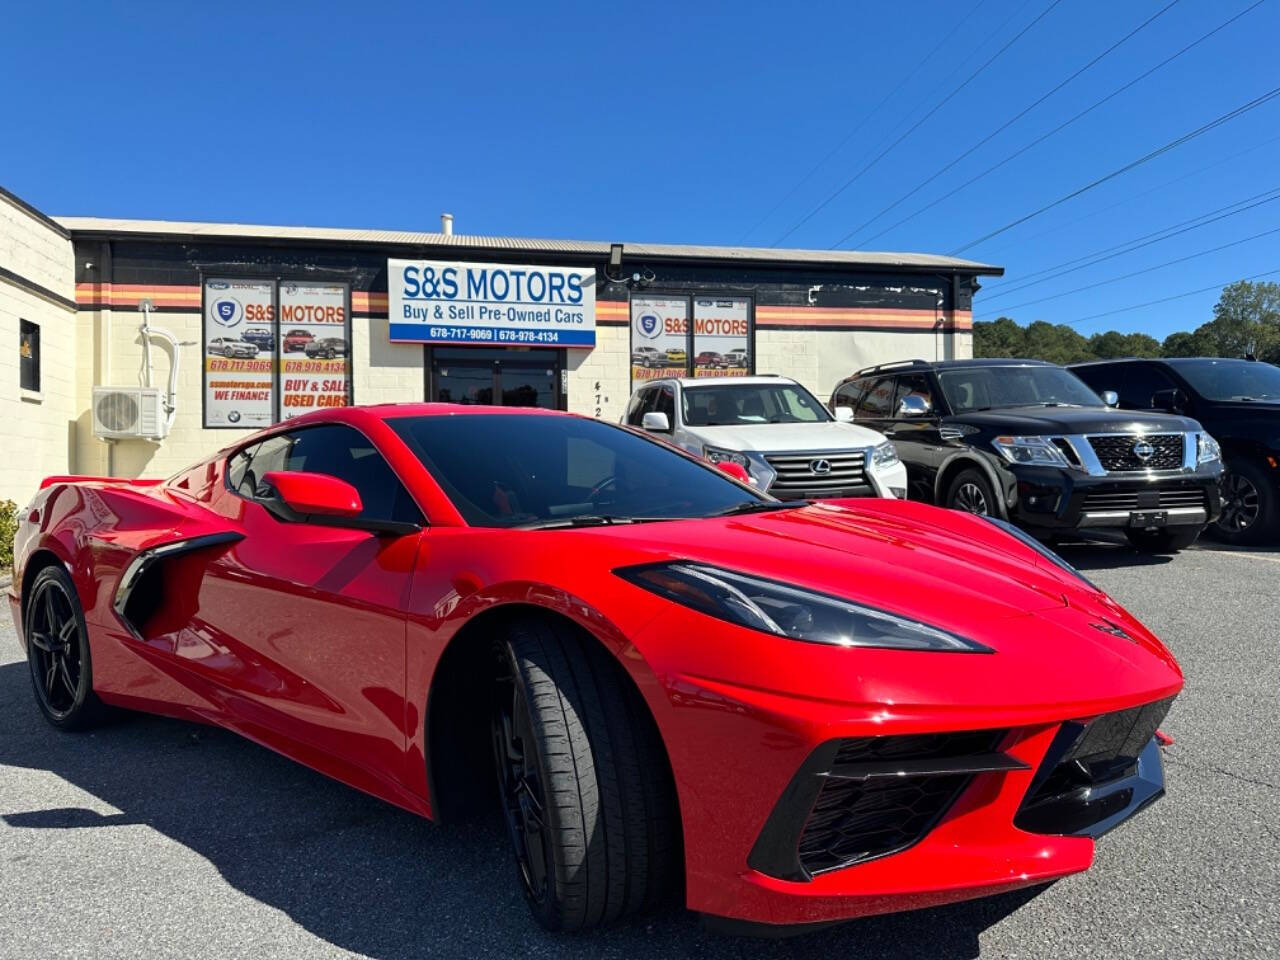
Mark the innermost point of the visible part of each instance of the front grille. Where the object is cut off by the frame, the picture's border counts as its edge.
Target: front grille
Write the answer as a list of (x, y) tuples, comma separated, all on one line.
[(1144, 499), (854, 820), (796, 473), (1115, 451), (1065, 796)]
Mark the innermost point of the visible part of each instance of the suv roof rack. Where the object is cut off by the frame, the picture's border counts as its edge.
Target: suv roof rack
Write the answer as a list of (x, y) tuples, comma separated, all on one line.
[(896, 365)]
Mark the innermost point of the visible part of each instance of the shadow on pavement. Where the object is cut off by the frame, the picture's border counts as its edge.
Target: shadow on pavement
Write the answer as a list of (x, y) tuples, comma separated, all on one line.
[(367, 877)]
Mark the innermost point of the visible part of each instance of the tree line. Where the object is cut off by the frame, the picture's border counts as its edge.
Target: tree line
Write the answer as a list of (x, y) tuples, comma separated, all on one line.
[(1246, 322)]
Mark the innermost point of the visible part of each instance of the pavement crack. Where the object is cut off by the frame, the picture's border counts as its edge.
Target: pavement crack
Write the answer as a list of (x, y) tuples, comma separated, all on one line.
[(1210, 768)]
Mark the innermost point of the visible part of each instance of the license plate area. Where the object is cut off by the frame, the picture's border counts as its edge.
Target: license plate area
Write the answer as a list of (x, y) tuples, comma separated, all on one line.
[(1148, 518)]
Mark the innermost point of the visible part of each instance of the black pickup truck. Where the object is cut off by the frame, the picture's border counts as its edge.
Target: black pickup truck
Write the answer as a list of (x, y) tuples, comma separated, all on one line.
[(1029, 442)]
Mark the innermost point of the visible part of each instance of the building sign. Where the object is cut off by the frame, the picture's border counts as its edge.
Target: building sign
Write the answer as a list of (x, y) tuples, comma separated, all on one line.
[(721, 336), (314, 347), (444, 301), (239, 367), (659, 337)]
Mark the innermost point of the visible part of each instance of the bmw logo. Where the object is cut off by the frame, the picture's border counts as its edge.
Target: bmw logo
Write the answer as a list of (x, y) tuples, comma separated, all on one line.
[(649, 325), (234, 416), (820, 467), (1143, 450)]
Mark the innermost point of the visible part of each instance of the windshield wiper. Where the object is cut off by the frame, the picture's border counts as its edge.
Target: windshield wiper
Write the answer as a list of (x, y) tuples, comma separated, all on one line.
[(586, 520), (761, 506)]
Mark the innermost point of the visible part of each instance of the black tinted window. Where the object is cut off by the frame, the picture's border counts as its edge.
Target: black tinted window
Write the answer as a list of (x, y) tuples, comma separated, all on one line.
[(846, 395), (1137, 383), (665, 402), (503, 470), (877, 402), (912, 385)]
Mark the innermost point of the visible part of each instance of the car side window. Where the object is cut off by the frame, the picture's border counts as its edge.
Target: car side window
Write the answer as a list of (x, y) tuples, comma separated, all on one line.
[(847, 393), (1137, 383), (876, 402), (912, 385), (665, 402), (635, 409)]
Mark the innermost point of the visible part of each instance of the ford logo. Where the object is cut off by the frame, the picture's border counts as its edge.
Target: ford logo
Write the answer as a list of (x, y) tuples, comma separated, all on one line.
[(1143, 450), (820, 467)]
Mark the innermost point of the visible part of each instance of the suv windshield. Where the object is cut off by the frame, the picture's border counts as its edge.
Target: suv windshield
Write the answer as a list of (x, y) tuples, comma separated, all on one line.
[(1231, 379), (506, 470), (728, 404), (986, 388)]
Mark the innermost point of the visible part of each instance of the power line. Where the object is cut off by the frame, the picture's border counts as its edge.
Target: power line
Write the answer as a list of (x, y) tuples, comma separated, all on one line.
[(1159, 151), (1011, 121), (861, 123), (1177, 296), (1129, 246), (1138, 273), (915, 126), (1066, 123)]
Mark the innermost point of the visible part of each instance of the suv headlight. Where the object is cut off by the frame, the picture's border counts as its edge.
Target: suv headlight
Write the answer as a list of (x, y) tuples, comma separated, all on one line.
[(1030, 450), (1207, 449), (787, 611), (884, 455), (716, 455)]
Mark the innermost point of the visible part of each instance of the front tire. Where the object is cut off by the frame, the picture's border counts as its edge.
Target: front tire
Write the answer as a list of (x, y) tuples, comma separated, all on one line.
[(58, 652), (1250, 511), (971, 492), (1169, 540), (584, 784)]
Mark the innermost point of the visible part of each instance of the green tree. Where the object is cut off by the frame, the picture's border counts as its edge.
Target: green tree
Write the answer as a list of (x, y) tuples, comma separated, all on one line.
[(1057, 343), (1111, 344), (1183, 344), (1246, 319), (1001, 337)]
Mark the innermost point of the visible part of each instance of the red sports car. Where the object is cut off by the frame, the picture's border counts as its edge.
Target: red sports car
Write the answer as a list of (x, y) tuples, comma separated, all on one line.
[(793, 713)]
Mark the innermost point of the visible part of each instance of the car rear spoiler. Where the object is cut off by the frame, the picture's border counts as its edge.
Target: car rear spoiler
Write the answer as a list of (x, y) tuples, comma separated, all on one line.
[(73, 478)]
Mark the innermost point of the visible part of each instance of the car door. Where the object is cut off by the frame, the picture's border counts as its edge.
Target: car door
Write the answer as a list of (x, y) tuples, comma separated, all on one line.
[(917, 439), (312, 617)]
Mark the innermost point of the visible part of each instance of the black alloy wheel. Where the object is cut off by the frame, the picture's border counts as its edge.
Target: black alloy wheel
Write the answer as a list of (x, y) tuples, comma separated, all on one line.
[(971, 492), (1241, 504), (520, 786), (58, 652), (1250, 504)]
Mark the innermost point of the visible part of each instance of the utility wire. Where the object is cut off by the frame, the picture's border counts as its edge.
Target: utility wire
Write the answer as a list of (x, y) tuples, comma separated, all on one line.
[(1129, 246), (1177, 296), (1011, 121), (1066, 123), (1138, 273), (915, 126), (861, 123), (1159, 151)]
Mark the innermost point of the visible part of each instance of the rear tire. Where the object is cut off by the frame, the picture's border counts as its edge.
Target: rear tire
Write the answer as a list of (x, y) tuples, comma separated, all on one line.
[(1170, 540), (1250, 505), (583, 780), (58, 652), (971, 492)]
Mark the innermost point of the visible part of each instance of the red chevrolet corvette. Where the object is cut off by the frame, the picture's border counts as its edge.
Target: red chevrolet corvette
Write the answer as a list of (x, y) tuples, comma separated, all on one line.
[(794, 713)]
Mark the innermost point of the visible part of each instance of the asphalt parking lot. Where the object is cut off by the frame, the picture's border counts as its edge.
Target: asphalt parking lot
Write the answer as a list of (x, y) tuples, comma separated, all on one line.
[(153, 838)]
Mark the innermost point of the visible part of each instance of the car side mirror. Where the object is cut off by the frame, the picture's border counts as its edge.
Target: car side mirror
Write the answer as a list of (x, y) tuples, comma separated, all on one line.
[(315, 494), (735, 470), (656, 422), (1110, 398), (1173, 400), (844, 414), (914, 405)]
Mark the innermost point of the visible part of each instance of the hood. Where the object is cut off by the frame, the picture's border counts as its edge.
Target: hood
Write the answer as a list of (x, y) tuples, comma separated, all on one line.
[(788, 437), (1037, 420)]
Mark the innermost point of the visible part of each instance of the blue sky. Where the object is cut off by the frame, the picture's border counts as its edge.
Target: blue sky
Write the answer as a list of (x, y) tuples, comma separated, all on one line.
[(671, 122)]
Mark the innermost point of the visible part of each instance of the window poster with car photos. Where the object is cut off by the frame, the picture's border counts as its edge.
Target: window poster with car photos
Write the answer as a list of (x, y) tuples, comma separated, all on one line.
[(721, 336), (313, 347), (659, 337), (239, 367)]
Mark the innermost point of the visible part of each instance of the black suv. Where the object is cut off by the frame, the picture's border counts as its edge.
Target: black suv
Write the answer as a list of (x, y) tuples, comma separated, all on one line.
[(1238, 401), (1029, 442)]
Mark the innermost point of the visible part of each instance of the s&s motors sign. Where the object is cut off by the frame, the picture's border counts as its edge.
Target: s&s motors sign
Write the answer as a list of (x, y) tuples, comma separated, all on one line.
[(446, 301)]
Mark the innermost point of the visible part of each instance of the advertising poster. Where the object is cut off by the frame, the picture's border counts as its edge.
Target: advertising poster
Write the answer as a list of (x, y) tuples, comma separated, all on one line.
[(721, 336), (659, 337), (239, 324), (444, 301), (313, 347)]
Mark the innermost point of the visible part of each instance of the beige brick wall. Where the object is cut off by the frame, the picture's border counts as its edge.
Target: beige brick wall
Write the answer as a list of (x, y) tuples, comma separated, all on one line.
[(599, 378), (38, 428)]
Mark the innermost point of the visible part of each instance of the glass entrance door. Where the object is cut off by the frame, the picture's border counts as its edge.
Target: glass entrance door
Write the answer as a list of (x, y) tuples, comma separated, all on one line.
[(508, 377)]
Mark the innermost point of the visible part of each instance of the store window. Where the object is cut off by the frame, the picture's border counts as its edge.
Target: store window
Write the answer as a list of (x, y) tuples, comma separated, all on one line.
[(699, 336), (29, 355), (274, 349)]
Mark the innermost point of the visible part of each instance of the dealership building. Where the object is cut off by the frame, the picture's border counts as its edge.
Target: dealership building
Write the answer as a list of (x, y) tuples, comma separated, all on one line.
[(139, 346)]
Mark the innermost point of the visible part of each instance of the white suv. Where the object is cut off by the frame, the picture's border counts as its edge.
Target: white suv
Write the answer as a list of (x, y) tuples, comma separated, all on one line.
[(773, 428)]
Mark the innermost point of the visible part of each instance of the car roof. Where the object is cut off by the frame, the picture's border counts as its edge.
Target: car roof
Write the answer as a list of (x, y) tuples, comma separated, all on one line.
[(712, 381)]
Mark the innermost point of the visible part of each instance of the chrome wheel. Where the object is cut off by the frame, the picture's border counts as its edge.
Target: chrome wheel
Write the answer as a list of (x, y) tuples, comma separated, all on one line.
[(1241, 504), (970, 498), (520, 786), (53, 633)]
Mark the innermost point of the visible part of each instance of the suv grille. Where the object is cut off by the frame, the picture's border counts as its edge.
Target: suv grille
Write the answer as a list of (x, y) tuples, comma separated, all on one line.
[(796, 473), (1115, 451), (1167, 499)]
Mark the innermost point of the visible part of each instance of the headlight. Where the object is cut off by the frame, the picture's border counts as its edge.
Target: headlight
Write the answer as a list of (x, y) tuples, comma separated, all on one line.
[(884, 455), (716, 455), (1030, 450), (1041, 549), (787, 611), (1207, 449)]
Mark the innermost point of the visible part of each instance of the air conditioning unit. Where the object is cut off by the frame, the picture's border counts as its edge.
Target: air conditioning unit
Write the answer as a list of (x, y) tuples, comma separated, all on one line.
[(121, 412)]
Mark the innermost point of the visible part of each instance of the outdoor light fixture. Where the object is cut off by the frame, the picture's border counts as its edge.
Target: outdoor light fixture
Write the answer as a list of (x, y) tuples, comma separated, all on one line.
[(615, 256)]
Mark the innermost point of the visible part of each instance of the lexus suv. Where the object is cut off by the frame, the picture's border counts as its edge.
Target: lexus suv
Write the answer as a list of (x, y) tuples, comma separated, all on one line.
[(775, 430), (1030, 443), (1238, 401)]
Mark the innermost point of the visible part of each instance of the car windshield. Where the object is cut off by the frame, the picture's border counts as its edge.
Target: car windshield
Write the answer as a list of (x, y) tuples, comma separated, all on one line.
[(1231, 379), (508, 470), (989, 388), (735, 404)]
